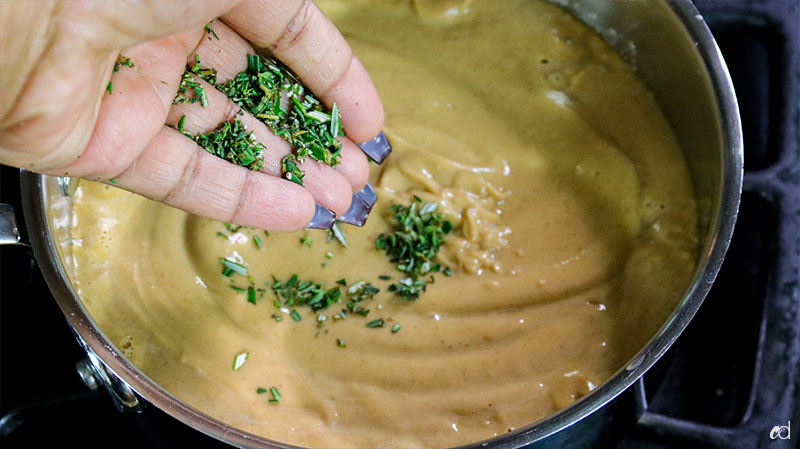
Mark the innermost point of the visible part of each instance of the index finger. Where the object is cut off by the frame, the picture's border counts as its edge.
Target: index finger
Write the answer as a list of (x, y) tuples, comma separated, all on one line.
[(299, 34)]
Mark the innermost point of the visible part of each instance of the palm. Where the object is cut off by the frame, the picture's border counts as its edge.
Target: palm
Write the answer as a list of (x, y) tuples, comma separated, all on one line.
[(124, 135)]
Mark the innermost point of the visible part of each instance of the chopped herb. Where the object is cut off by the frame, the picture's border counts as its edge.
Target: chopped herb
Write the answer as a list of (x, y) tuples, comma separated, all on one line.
[(340, 343), (233, 267), (238, 289), (338, 234), (342, 281), (251, 295), (277, 318), (417, 234), (306, 293), (112, 181), (291, 170), (219, 234), (409, 288), (266, 233), (395, 328), (239, 360), (210, 31), (447, 271), (384, 277), (361, 291), (305, 123), (261, 390), (232, 228), (108, 87), (188, 83), (257, 241), (306, 240), (276, 396), (376, 323), (122, 61), (329, 255), (231, 141), (295, 316), (181, 124)]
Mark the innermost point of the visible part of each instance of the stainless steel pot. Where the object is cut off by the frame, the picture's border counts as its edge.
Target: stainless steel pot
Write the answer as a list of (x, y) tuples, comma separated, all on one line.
[(670, 46)]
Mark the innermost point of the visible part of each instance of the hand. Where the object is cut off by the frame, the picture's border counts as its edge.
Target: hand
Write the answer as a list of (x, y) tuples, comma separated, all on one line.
[(56, 116)]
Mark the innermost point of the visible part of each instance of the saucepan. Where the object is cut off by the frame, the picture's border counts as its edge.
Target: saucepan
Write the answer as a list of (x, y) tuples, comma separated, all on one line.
[(670, 47)]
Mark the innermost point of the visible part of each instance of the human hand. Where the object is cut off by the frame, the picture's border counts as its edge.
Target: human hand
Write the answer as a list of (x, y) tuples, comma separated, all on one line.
[(56, 117)]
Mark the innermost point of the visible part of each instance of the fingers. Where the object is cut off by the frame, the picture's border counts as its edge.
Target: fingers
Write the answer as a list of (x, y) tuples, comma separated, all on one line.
[(299, 34), (327, 185), (173, 169), (228, 56)]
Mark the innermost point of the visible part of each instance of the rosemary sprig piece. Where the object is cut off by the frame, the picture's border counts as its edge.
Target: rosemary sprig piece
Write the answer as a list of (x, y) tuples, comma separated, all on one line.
[(231, 141), (273, 94), (416, 237)]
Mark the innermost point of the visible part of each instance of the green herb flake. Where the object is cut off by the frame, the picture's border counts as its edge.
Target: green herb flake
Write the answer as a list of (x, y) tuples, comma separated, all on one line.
[(277, 318), (376, 323), (309, 128), (396, 328), (261, 390), (112, 181), (233, 267), (239, 360), (329, 255), (257, 241), (234, 143), (238, 289), (251, 295), (336, 232), (340, 343), (385, 277), (276, 395), (108, 87), (210, 31), (295, 315), (417, 234), (306, 240)]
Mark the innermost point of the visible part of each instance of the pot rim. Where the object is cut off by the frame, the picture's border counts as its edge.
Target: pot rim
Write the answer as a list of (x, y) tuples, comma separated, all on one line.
[(720, 232)]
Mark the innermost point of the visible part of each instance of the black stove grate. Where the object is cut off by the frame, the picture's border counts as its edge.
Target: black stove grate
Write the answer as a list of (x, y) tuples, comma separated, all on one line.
[(729, 379)]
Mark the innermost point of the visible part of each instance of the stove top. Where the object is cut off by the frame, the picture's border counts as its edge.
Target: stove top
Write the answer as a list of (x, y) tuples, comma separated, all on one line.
[(732, 380)]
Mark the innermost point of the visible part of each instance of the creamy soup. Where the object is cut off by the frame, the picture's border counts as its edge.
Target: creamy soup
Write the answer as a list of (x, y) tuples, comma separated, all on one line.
[(575, 236)]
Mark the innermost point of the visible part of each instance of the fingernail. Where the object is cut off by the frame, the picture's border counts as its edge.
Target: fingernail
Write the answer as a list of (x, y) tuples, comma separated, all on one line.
[(323, 218), (360, 207), (378, 148)]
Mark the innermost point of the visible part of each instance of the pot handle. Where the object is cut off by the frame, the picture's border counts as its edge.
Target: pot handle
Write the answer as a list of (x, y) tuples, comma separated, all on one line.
[(9, 231)]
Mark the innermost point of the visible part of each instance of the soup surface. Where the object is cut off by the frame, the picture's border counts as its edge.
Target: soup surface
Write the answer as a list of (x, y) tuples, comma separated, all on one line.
[(574, 238)]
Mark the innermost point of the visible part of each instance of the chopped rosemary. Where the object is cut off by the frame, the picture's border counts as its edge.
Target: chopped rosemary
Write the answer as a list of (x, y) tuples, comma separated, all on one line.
[(251, 295), (409, 288), (340, 343), (188, 83), (277, 318), (210, 31), (122, 61), (276, 395), (230, 267), (384, 277), (239, 360), (306, 240), (291, 170), (417, 234), (295, 315), (108, 87), (261, 390), (305, 293), (257, 241), (396, 328), (376, 323), (335, 232), (305, 123), (231, 141), (238, 289)]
